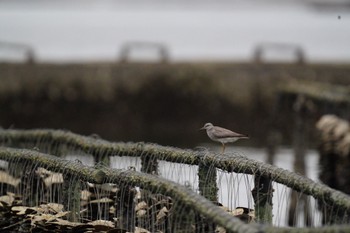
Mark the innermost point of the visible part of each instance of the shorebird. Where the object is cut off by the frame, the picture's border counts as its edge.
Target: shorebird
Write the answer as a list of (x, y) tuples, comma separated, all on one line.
[(222, 135)]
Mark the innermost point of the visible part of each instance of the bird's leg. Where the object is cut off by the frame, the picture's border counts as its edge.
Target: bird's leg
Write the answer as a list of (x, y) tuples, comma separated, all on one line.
[(223, 147)]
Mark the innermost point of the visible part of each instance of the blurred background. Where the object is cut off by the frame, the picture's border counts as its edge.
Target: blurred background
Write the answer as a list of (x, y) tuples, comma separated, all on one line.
[(157, 71)]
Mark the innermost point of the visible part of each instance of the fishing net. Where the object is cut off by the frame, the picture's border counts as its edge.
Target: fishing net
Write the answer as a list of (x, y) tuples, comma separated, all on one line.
[(56, 180)]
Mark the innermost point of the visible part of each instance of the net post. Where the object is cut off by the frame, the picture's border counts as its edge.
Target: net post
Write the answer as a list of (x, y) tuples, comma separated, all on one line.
[(208, 188), (262, 195), (149, 164), (71, 197)]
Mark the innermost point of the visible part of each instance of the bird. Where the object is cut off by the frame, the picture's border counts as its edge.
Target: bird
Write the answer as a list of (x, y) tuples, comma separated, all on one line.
[(222, 135)]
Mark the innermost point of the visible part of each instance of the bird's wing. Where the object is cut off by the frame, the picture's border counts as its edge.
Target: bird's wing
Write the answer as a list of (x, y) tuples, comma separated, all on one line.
[(223, 133)]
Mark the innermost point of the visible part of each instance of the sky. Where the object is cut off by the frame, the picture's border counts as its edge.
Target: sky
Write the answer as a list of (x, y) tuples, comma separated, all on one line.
[(60, 31)]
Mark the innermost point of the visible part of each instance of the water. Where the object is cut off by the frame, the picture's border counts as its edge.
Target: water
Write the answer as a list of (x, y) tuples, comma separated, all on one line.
[(235, 189), (63, 31)]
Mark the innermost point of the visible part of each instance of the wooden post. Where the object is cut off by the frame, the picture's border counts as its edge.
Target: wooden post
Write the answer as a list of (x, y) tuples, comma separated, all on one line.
[(101, 156), (302, 108), (262, 194), (126, 204), (207, 181), (273, 140), (208, 188), (71, 196), (149, 164), (102, 159), (125, 207)]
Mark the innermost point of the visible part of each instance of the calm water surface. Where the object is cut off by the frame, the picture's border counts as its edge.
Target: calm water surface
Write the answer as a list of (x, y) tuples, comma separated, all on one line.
[(234, 189)]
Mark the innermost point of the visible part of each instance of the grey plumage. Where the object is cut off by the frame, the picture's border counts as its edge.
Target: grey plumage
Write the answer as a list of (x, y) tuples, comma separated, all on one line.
[(222, 135)]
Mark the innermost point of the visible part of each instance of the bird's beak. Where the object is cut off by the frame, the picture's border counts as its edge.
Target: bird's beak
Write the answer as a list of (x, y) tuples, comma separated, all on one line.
[(201, 128)]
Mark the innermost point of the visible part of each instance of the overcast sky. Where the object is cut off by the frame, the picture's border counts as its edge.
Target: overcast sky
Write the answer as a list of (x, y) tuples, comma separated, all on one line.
[(191, 30)]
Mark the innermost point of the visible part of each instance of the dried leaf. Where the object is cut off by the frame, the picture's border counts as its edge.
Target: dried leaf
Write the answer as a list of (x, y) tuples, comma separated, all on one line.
[(112, 210), (21, 210), (52, 207), (252, 214), (43, 172), (108, 187), (141, 230), (46, 217), (84, 211), (8, 179), (140, 206), (102, 225), (138, 194), (102, 222), (85, 195), (238, 211), (245, 214), (141, 213), (55, 178), (39, 218), (61, 214), (220, 230), (7, 199), (66, 223), (162, 213), (102, 200), (10, 194)]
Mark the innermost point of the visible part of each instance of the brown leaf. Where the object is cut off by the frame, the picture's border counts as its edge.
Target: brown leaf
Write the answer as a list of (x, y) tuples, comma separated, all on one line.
[(8, 179), (7, 199), (52, 207), (66, 223), (102, 222), (140, 206), (21, 210), (141, 230), (85, 195), (238, 211), (141, 213), (102, 200), (162, 213), (55, 178)]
